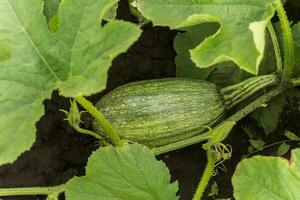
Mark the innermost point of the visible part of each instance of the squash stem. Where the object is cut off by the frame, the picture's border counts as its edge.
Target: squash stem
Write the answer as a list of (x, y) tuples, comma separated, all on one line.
[(235, 94), (289, 52), (180, 144), (207, 174), (99, 116), (52, 190)]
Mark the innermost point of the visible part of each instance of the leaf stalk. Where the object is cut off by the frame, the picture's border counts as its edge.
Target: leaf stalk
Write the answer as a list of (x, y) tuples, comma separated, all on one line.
[(208, 172), (52, 190), (289, 52), (235, 94), (99, 116), (276, 47)]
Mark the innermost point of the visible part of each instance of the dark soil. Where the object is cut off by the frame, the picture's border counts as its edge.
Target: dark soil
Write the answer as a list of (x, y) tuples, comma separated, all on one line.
[(60, 153)]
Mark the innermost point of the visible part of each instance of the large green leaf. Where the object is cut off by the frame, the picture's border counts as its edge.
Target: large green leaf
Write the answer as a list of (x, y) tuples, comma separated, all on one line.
[(75, 59), (123, 173), (222, 74), (240, 38), (227, 73), (268, 178)]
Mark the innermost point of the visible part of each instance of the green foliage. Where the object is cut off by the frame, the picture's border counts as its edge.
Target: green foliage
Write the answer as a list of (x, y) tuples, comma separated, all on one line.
[(223, 74), (4, 53), (268, 116), (111, 14), (75, 60), (291, 136), (221, 132), (214, 190), (63, 45), (257, 143), (283, 149), (296, 36), (51, 13), (129, 172), (53, 24), (268, 178), (187, 40), (227, 73), (50, 8), (246, 19)]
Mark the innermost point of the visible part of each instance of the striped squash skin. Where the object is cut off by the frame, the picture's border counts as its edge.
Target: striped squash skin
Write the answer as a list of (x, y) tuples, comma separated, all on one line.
[(161, 111)]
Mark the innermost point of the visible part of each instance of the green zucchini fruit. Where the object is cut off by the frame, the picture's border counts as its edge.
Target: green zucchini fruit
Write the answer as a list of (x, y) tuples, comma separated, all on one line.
[(163, 111)]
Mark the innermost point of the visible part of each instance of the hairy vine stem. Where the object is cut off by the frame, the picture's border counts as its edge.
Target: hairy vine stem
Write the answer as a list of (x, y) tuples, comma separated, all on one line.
[(87, 132), (276, 48), (50, 190), (208, 172), (289, 52), (99, 116), (235, 94)]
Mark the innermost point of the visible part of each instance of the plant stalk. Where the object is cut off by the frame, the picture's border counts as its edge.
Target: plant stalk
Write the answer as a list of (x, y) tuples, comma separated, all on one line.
[(276, 47), (99, 116), (181, 144), (235, 94), (87, 132), (32, 191), (208, 172), (289, 52)]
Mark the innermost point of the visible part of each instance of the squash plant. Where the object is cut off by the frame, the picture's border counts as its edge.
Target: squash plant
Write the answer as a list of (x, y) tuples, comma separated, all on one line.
[(72, 54)]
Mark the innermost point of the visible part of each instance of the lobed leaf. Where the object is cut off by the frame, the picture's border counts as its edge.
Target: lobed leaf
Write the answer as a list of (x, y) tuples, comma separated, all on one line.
[(240, 38), (268, 178), (75, 60), (123, 173)]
